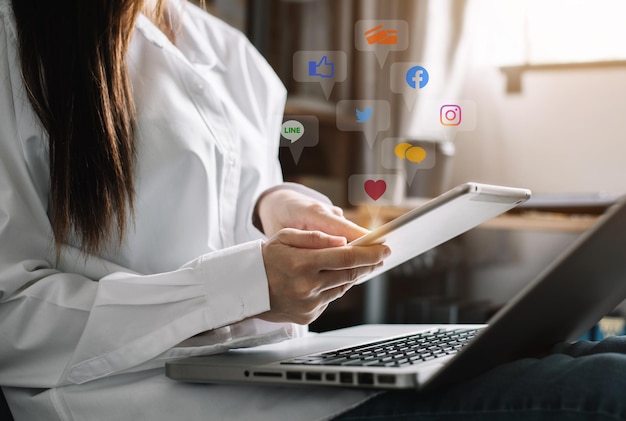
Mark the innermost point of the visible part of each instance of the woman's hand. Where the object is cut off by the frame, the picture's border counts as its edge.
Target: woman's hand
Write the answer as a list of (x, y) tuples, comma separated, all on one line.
[(285, 208), (306, 270)]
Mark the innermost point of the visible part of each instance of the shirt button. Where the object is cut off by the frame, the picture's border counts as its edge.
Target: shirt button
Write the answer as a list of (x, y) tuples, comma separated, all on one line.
[(198, 83)]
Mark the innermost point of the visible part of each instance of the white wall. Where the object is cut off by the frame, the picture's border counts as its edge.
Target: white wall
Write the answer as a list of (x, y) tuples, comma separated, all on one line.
[(565, 132)]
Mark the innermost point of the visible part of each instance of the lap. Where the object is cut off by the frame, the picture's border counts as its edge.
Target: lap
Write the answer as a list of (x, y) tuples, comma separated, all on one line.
[(584, 381)]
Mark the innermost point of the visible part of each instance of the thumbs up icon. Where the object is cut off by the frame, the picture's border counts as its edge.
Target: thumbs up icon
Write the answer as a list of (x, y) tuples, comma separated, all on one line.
[(324, 68)]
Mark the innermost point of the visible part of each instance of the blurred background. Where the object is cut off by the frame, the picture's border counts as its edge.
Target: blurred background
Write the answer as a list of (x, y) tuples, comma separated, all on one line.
[(542, 86)]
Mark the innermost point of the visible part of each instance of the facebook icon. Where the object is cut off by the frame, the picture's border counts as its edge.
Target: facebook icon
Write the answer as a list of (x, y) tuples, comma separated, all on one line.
[(417, 77)]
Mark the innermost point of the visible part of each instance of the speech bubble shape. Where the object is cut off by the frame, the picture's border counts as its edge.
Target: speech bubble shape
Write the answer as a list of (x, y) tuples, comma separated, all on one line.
[(442, 117), (408, 157), (324, 67), (451, 115), (292, 130), (375, 190), (415, 80), (368, 116), (416, 154), (400, 149), (309, 136), (381, 37)]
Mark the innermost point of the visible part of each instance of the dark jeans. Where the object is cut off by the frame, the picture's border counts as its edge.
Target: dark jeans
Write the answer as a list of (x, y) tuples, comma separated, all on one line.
[(586, 381)]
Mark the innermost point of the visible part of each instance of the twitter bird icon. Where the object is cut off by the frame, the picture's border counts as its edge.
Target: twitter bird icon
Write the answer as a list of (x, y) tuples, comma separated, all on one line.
[(363, 116)]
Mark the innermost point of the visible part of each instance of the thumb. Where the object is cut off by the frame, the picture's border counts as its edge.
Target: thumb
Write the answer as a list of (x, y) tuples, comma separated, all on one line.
[(308, 239)]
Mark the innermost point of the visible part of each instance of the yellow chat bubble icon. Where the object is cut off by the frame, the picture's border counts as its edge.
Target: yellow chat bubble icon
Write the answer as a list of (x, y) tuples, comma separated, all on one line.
[(410, 152), (408, 157), (416, 154), (400, 149)]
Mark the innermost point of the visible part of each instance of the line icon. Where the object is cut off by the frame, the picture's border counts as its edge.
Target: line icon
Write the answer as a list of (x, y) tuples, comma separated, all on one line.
[(299, 132)]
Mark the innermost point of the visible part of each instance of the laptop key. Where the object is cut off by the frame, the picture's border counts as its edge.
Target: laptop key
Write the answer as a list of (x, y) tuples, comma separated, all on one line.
[(411, 349)]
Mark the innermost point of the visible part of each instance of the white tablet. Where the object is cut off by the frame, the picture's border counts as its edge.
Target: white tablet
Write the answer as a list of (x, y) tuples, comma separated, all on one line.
[(439, 220)]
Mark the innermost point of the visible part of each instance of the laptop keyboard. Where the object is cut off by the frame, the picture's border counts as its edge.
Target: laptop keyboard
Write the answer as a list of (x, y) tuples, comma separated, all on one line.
[(395, 352)]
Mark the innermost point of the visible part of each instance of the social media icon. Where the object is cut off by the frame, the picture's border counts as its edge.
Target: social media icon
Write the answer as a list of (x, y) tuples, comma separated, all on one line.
[(450, 115), (417, 77), (292, 130), (299, 132), (324, 68), (382, 36), (410, 152), (408, 157), (363, 116), (375, 188), (372, 117)]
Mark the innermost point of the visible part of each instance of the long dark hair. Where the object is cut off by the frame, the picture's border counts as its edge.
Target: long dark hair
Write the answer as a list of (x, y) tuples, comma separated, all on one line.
[(73, 62)]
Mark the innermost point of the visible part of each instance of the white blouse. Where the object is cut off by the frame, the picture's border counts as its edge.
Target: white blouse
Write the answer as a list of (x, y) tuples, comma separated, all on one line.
[(86, 338)]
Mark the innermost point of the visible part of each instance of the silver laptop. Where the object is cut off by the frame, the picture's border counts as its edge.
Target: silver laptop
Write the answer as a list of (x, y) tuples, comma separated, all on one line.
[(580, 287)]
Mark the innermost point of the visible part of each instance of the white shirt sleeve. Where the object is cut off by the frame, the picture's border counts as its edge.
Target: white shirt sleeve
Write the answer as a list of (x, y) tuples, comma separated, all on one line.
[(58, 327)]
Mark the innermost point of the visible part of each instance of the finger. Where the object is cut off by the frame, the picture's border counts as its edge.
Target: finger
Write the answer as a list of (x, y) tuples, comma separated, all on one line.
[(337, 211), (335, 223), (348, 257), (309, 239), (335, 293), (331, 279)]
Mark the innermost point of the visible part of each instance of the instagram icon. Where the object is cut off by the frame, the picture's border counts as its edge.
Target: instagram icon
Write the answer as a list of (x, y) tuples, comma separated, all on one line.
[(450, 115)]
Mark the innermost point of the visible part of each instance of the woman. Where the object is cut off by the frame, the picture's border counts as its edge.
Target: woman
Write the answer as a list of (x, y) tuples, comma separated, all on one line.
[(133, 150), (137, 147)]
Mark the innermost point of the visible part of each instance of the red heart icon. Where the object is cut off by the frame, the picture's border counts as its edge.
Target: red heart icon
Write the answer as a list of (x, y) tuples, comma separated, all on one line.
[(375, 189)]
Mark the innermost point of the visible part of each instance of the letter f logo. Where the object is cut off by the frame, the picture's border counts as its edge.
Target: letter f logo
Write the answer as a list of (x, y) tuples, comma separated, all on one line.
[(417, 77)]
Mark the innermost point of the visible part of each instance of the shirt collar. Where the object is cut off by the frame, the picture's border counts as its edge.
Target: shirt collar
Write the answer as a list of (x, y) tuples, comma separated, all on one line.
[(205, 57)]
